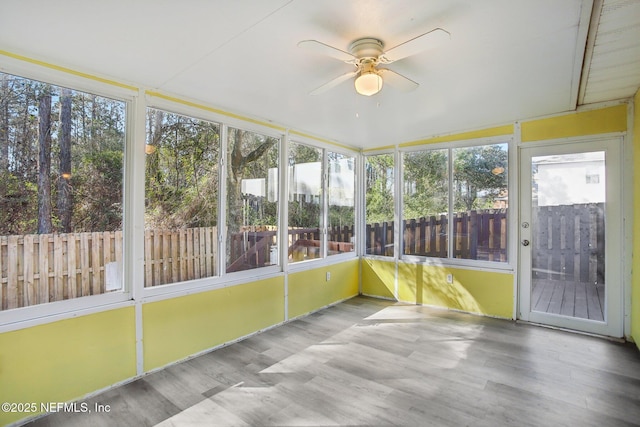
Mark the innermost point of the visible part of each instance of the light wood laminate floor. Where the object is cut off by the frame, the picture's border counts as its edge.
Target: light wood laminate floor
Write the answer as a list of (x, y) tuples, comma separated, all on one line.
[(371, 362)]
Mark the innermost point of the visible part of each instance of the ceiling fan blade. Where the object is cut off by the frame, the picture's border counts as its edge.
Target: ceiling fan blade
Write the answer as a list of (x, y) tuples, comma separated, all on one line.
[(430, 40), (333, 83), (325, 49), (397, 81)]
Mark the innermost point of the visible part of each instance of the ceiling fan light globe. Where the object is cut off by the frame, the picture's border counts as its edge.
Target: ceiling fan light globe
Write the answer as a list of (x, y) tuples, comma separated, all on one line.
[(368, 84)]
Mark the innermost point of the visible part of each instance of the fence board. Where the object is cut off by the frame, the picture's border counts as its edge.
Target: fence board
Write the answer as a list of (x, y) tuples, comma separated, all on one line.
[(12, 272), (97, 286), (43, 282), (59, 255), (85, 268), (71, 266), (29, 273)]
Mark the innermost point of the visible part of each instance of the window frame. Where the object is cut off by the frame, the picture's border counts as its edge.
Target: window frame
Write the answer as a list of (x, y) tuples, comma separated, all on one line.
[(22, 317), (222, 279), (508, 265), (137, 100), (397, 206), (325, 259)]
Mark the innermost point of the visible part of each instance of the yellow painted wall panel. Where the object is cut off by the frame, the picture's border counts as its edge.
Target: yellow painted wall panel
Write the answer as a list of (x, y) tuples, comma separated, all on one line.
[(481, 133), (65, 360), (593, 122), (179, 327), (378, 277), (474, 291), (309, 290), (635, 280)]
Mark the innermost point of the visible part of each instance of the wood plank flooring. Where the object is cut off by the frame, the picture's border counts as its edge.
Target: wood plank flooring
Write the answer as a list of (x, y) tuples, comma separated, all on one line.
[(568, 298), (371, 362)]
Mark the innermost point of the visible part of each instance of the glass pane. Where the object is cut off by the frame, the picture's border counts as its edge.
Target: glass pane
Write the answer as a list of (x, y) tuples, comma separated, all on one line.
[(425, 203), (480, 202), (568, 235), (305, 202), (379, 193), (61, 168), (341, 191), (252, 200), (181, 198)]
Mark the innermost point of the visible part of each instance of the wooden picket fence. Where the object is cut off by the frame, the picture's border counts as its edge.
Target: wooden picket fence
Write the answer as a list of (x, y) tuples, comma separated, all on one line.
[(36, 269), (569, 245), (179, 255), (479, 235), (43, 268), (256, 246)]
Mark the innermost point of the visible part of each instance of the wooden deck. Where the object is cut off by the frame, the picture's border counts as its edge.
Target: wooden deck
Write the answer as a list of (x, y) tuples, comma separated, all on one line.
[(568, 298)]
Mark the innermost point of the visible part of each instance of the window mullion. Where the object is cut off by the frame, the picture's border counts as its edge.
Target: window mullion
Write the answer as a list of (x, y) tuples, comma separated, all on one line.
[(222, 201), (450, 220), (325, 205)]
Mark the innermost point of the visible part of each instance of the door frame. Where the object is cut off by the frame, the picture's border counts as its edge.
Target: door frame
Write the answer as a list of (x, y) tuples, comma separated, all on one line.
[(614, 310)]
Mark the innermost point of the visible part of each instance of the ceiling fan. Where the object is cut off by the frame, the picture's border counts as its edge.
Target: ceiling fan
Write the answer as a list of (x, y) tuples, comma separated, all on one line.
[(366, 54)]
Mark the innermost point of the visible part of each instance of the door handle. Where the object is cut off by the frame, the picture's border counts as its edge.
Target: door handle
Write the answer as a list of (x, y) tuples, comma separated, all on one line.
[(525, 243)]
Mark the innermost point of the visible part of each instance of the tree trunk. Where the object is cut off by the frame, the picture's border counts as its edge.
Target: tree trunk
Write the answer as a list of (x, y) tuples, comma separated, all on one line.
[(44, 163), (65, 202), (4, 122)]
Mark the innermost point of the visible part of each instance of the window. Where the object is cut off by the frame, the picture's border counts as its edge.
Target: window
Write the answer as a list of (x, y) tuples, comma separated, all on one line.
[(480, 202), (426, 203), (380, 207), (252, 200), (341, 194), (305, 202), (61, 167), (181, 198), (457, 192)]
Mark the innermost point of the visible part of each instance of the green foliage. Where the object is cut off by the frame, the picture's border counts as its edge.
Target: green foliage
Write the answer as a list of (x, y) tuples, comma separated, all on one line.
[(379, 188), (426, 183), (98, 191), (181, 179), (97, 146), (480, 175), (18, 205)]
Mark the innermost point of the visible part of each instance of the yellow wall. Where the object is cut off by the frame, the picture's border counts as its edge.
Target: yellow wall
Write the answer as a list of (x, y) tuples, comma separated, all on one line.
[(474, 291), (481, 133), (378, 277), (635, 281), (66, 360), (176, 328), (585, 123), (309, 290)]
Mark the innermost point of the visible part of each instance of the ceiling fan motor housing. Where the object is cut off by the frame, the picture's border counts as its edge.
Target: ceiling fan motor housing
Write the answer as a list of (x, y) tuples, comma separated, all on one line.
[(366, 48)]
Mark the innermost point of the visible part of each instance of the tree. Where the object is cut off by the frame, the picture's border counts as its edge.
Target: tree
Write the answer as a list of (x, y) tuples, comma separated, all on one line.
[(4, 122), (65, 207), (426, 183), (246, 148), (379, 188), (480, 175), (44, 163)]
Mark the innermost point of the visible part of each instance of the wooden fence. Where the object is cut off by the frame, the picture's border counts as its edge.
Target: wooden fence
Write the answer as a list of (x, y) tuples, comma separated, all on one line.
[(480, 235), (256, 247), (569, 243), (36, 269), (179, 255)]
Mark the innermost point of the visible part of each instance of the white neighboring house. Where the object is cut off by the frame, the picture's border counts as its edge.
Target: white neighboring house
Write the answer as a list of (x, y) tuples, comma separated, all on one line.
[(570, 179), (305, 179)]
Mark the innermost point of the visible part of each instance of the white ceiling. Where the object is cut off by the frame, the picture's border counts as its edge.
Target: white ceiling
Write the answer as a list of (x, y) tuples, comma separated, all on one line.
[(507, 59)]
